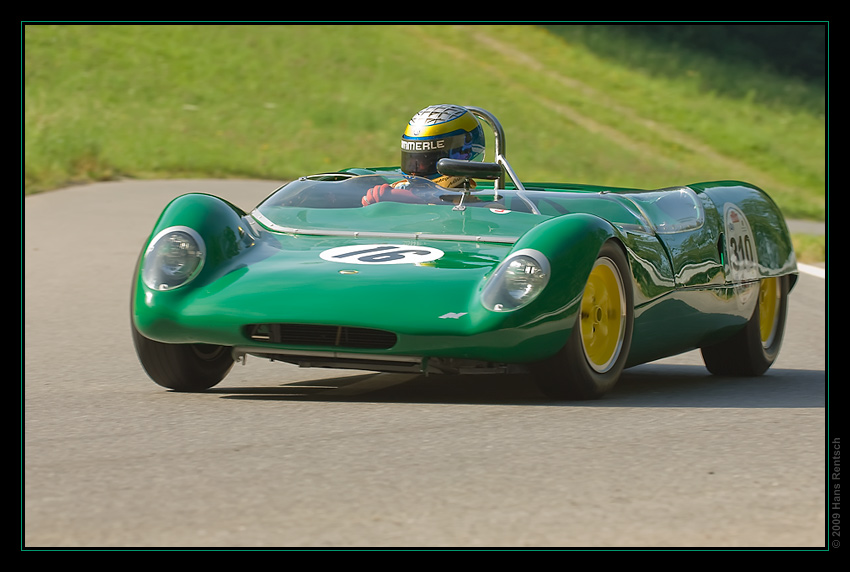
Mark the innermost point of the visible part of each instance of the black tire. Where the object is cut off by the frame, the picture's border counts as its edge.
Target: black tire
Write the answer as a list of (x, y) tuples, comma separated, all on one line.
[(753, 349), (590, 363), (183, 367)]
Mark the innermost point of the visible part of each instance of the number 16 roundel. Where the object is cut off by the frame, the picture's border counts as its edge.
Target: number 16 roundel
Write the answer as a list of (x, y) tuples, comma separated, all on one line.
[(381, 254)]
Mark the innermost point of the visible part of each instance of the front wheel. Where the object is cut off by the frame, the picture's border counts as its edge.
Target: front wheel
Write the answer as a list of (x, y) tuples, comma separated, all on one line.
[(183, 367), (753, 349), (591, 362)]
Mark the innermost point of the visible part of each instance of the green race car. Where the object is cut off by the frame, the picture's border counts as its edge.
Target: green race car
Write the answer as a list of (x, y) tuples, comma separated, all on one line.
[(568, 283)]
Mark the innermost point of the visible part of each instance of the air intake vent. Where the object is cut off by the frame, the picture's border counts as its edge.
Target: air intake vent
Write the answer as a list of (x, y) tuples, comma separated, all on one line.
[(322, 336)]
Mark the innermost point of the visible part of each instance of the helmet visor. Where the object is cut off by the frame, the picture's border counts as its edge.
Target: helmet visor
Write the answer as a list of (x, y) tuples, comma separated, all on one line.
[(419, 157)]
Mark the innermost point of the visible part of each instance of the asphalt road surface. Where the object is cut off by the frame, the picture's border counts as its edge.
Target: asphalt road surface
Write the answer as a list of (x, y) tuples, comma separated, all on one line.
[(277, 456)]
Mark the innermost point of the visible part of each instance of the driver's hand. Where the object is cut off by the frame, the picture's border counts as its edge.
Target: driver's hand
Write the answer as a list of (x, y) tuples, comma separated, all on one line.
[(374, 194), (387, 192)]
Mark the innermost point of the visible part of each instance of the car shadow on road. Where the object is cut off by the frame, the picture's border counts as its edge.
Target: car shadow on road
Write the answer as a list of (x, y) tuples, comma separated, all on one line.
[(652, 385)]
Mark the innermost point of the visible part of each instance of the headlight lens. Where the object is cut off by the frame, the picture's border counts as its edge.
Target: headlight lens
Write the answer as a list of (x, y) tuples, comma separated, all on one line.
[(173, 258), (517, 281)]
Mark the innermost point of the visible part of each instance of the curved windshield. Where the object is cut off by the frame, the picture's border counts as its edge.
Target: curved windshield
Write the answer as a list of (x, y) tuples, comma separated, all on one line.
[(383, 200), (340, 191)]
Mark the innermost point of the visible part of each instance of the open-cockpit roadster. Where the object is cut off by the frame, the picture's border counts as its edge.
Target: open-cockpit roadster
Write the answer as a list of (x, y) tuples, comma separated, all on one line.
[(568, 283)]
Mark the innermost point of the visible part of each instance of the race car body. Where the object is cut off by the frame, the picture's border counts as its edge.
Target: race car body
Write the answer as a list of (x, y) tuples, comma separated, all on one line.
[(569, 283)]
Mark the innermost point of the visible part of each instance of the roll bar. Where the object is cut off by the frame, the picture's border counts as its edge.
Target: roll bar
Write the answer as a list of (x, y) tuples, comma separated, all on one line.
[(499, 143)]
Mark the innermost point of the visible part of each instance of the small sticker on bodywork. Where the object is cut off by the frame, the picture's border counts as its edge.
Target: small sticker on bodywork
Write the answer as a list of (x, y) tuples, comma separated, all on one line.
[(382, 254), (453, 315)]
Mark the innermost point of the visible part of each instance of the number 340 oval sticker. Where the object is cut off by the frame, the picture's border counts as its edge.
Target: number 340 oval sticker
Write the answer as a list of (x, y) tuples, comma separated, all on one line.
[(381, 254)]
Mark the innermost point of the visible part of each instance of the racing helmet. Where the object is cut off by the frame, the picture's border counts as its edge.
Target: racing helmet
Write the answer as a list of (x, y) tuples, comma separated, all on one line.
[(437, 132)]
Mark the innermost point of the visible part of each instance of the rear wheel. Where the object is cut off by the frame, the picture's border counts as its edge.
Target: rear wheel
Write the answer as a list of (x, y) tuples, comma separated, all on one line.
[(591, 362), (753, 349), (183, 367)]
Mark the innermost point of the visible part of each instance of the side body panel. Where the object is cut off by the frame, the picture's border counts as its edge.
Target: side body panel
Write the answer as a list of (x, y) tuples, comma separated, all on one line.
[(772, 253), (718, 267)]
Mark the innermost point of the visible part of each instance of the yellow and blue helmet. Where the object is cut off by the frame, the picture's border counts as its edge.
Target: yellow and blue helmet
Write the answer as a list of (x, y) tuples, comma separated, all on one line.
[(437, 132)]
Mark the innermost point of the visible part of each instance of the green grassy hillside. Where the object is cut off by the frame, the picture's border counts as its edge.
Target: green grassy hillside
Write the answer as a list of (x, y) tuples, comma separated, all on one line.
[(275, 102)]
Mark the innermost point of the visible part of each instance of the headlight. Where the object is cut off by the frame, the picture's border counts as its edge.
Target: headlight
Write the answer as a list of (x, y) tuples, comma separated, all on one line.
[(173, 258), (517, 281)]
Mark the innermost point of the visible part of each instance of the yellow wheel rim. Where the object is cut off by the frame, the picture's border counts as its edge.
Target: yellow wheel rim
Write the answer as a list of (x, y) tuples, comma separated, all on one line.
[(768, 310), (603, 315)]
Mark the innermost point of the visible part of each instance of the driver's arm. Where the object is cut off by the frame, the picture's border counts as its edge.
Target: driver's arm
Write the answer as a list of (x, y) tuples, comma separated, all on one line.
[(387, 192)]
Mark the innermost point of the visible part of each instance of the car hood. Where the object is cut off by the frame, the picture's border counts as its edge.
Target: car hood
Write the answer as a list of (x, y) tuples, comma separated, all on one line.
[(415, 270)]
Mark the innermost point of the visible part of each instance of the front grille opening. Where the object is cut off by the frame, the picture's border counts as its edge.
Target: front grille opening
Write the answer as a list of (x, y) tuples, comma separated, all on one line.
[(322, 336)]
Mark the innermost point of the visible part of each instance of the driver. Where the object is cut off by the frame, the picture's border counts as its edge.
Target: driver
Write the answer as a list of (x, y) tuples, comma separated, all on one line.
[(436, 132)]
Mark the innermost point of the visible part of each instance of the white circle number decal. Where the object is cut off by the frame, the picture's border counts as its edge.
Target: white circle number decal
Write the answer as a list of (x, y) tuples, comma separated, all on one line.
[(381, 254), (740, 245)]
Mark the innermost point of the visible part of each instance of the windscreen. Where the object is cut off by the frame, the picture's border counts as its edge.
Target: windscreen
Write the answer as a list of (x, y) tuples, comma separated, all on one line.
[(289, 205), (346, 192)]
